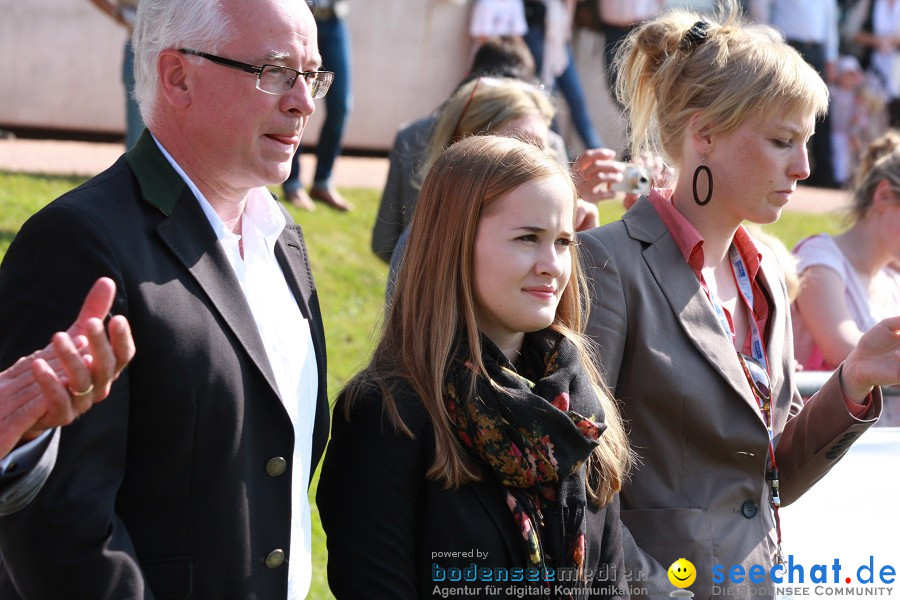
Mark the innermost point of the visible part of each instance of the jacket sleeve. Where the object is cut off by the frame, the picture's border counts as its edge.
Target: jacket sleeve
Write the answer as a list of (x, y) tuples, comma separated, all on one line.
[(390, 219), (607, 323), (368, 498), (610, 580), (817, 436), (16, 494), (70, 534)]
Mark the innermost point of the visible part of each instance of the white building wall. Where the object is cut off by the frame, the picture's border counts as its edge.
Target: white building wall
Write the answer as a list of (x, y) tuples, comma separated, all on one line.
[(60, 67)]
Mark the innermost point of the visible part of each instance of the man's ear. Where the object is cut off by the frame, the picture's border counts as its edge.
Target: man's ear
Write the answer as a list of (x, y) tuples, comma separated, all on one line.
[(700, 139), (173, 71)]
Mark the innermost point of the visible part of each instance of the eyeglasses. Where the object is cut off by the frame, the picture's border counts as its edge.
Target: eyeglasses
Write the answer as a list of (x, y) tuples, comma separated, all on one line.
[(759, 379), (274, 79)]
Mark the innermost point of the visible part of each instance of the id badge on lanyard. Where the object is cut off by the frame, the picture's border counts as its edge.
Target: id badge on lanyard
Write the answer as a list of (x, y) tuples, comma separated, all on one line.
[(757, 349)]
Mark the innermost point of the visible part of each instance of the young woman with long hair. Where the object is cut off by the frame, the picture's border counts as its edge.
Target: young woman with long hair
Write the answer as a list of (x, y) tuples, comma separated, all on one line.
[(480, 438)]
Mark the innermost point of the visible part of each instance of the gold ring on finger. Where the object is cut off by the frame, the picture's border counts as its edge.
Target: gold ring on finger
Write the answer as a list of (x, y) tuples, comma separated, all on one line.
[(75, 394)]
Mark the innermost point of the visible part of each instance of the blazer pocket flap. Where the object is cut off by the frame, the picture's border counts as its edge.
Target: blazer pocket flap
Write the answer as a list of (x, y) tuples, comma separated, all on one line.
[(669, 534)]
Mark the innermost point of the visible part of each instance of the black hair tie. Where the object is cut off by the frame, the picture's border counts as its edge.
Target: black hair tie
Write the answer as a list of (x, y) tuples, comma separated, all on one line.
[(696, 35)]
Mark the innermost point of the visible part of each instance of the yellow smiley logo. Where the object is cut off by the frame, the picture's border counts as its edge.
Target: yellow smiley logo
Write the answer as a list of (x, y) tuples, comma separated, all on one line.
[(682, 573)]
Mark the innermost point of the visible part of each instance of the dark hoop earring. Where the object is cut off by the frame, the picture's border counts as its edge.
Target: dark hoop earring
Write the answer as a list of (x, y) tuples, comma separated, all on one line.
[(709, 192)]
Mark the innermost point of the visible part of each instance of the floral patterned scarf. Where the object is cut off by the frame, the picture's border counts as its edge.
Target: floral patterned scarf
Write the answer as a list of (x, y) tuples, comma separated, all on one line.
[(534, 428)]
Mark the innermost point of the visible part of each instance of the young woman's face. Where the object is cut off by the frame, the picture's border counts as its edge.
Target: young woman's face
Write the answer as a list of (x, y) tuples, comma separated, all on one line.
[(755, 168), (522, 259)]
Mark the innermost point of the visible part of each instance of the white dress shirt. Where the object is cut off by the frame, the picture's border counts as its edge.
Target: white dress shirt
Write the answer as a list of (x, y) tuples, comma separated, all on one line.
[(288, 341)]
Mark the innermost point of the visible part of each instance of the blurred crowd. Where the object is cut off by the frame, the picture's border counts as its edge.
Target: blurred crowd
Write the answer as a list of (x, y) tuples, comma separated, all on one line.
[(522, 60)]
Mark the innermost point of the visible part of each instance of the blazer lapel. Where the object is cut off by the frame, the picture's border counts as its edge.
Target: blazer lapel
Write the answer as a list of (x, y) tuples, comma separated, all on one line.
[(686, 298), (290, 253), (186, 231), (771, 282)]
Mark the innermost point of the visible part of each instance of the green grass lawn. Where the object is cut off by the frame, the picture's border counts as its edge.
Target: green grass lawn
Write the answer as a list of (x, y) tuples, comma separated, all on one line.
[(350, 280)]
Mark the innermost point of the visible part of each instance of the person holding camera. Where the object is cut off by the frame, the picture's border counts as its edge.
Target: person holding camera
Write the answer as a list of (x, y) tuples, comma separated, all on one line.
[(691, 314)]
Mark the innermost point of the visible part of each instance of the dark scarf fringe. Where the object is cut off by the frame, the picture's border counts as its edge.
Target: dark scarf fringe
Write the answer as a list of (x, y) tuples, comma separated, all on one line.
[(534, 429)]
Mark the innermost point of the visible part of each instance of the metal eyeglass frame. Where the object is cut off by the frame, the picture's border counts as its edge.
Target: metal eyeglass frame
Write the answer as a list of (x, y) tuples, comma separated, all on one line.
[(318, 82)]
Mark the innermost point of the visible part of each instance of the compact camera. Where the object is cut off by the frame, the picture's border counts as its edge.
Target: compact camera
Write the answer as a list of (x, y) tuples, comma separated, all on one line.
[(635, 180)]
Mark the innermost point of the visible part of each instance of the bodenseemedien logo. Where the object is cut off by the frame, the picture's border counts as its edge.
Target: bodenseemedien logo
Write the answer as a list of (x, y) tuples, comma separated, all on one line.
[(682, 574)]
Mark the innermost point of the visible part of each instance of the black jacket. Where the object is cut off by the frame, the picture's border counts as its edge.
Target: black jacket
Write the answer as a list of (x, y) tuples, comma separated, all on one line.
[(394, 534), (161, 491)]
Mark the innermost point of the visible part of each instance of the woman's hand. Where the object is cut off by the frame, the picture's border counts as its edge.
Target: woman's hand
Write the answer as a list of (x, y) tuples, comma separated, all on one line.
[(874, 361)]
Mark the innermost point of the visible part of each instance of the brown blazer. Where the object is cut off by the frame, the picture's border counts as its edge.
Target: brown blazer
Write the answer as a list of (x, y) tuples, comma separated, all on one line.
[(699, 490)]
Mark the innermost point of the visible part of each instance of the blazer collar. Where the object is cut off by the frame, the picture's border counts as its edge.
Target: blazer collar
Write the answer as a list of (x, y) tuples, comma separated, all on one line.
[(687, 300), (160, 185)]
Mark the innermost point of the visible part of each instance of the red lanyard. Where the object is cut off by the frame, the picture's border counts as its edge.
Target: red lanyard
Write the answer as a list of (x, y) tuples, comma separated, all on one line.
[(745, 290)]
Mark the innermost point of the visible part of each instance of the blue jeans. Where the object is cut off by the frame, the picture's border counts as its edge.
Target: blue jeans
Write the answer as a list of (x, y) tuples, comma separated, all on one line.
[(334, 45), (570, 85), (134, 125)]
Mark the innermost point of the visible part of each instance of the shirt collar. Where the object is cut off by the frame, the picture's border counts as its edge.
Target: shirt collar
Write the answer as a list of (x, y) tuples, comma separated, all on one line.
[(690, 242), (260, 211)]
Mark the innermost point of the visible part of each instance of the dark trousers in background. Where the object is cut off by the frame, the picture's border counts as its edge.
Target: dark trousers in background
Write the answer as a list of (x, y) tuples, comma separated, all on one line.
[(334, 45), (822, 174), (614, 35)]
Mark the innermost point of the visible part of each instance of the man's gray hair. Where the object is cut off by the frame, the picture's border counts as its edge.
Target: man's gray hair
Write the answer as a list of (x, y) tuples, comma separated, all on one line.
[(172, 24)]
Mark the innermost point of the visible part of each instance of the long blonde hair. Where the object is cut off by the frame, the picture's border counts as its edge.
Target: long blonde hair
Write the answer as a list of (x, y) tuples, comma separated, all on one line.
[(480, 107), (434, 303), (668, 71)]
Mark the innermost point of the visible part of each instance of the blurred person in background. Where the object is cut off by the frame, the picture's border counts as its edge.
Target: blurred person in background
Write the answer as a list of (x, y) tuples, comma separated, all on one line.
[(518, 100), (123, 12), (548, 35), (871, 29), (849, 282), (619, 17), (514, 108), (334, 45)]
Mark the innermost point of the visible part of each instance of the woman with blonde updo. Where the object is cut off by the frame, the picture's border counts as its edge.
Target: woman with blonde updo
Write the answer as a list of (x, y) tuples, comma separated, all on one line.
[(849, 282), (691, 314)]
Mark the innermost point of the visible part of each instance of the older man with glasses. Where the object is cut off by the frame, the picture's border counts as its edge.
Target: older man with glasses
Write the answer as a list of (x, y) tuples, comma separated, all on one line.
[(191, 479)]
